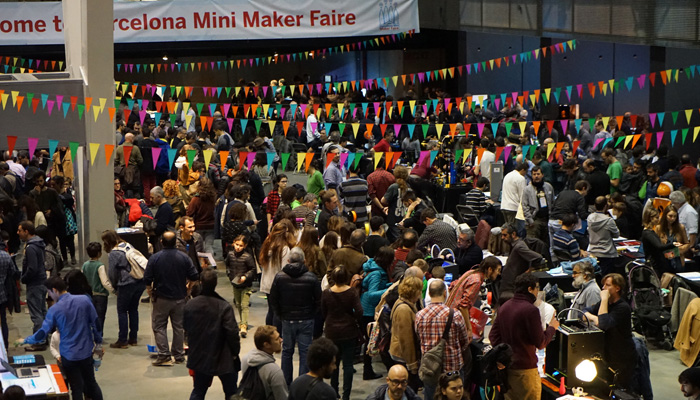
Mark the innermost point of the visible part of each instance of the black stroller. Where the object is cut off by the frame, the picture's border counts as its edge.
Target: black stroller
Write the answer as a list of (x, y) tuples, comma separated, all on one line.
[(649, 317)]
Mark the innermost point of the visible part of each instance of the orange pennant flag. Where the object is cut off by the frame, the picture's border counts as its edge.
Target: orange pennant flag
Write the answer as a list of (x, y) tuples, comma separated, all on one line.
[(223, 156), (536, 124), (388, 157), (558, 149), (619, 121), (111, 111), (309, 157), (329, 158), (109, 149), (479, 153), (285, 127)]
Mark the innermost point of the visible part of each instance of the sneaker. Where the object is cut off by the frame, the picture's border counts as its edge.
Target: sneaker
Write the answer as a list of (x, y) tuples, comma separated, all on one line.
[(244, 331), (133, 342), (72, 261), (163, 362), (35, 347), (119, 345), (146, 300), (180, 360)]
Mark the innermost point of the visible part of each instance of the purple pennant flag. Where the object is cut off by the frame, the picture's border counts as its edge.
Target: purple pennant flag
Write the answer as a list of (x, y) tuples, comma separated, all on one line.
[(265, 91), (514, 95), (226, 106), (32, 142), (659, 136), (652, 119), (641, 79), (50, 103), (579, 87), (469, 69), (206, 91), (59, 100), (142, 116), (343, 159), (423, 154), (506, 151), (480, 129), (514, 58), (155, 152), (230, 124), (597, 141), (397, 129), (498, 103), (251, 158), (564, 125), (144, 105)]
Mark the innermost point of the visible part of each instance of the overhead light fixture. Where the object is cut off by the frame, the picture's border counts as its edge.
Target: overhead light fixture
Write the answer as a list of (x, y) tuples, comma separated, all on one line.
[(165, 57)]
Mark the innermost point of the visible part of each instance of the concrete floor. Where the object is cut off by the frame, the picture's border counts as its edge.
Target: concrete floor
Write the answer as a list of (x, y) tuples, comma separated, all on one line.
[(128, 373)]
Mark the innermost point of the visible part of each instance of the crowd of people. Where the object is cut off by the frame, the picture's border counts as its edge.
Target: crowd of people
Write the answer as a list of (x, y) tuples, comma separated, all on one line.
[(346, 260)]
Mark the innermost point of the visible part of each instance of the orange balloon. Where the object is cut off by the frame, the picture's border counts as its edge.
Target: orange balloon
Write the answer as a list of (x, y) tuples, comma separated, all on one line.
[(368, 134)]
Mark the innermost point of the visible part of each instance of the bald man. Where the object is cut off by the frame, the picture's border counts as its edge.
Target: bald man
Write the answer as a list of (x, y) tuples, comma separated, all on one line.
[(396, 386), (166, 278)]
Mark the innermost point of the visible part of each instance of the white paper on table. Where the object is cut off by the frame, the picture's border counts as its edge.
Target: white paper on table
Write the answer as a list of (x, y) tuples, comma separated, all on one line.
[(691, 276), (209, 257)]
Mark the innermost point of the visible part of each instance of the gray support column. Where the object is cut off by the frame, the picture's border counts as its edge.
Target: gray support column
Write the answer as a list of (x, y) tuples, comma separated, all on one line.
[(90, 56)]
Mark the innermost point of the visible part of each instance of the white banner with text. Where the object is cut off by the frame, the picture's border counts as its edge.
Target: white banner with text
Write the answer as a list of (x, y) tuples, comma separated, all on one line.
[(40, 23)]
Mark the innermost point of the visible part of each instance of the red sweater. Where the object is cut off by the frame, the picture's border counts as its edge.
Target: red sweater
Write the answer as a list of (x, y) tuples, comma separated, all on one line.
[(202, 213), (518, 324)]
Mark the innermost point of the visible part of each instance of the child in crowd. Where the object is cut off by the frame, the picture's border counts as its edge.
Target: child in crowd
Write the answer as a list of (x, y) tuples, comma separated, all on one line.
[(240, 268), (438, 274), (14, 392), (96, 275)]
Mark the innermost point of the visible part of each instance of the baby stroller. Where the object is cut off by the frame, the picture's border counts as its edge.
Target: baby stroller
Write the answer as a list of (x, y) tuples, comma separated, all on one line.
[(649, 317)]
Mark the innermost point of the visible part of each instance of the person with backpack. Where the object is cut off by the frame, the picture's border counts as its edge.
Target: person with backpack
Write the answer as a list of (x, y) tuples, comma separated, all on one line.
[(128, 288), (34, 276), (166, 279), (374, 284), (212, 332), (262, 377)]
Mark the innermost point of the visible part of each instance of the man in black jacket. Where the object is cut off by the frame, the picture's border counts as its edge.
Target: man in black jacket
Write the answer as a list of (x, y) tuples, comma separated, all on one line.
[(34, 276), (296, 298), (213, 338), (166, 277), (396, 386)]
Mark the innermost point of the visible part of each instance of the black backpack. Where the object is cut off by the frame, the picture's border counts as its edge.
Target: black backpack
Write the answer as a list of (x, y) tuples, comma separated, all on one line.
[(251, 387)]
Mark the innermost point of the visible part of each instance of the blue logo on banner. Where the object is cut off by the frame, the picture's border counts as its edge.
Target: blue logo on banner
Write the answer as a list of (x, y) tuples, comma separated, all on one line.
[(388, 15)]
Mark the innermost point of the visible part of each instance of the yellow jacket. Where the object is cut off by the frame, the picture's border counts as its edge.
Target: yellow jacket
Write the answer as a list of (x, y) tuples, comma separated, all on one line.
[(66, 164), (688, 337)]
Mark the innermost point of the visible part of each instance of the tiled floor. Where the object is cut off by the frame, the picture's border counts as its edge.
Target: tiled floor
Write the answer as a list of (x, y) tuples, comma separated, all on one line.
[(128, 374)]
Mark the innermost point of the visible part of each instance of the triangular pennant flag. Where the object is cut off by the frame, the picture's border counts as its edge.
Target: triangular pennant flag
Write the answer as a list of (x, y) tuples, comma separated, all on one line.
[(223, 157), (388, 158), (309, 157), (11, 141), (350, 158), (659, 137), (285, 159), (127, 154), (696, 130), (358, 157), (526, 147), (73, 146), (155, 153), (270, 158), (31, 144), (479, 154), (684, 134), (628, 138), (377, 157), (647, 138), (94, 147), (558, 149), (636, 138), (242, 156), (433, 155), (190, 157), (300, 160), (499, 150), (458, 153), (466, 154), (109, 149), (674, 132), (550, 147), (506, 153), (250, 159)]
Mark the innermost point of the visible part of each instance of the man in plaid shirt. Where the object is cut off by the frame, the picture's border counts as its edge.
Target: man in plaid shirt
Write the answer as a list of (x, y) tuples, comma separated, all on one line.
[(430, 325)]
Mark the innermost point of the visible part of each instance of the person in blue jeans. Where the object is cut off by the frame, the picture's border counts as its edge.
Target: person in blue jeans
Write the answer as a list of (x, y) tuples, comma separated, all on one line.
[(295, 296), (34, 276), (128, 290)]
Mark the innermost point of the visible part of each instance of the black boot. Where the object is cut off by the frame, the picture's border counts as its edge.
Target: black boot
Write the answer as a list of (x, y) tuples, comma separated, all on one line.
[(369, 373)]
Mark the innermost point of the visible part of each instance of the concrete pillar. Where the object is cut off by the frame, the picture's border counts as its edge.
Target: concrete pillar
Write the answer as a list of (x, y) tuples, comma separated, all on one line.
[(90, 56)]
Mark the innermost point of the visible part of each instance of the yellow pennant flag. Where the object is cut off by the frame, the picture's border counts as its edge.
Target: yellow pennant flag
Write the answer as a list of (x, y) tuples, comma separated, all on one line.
[(688, 114), (611, 82), (266, 107), (605, 89), (4, 98), (550, 147), (395, 79), (695, 133), (412, 103), (377, 158), (188, 119), (93, 152), (185, 106), (523, 125), (465, 155), (96, 112), (627, 140), (547, 92), (355, 128), (605, 123), (207, 157), (271, 124), (438, 127), (300, 160), (292, 87), (237, 90), (533, 99), (341, 106), (14, 97)]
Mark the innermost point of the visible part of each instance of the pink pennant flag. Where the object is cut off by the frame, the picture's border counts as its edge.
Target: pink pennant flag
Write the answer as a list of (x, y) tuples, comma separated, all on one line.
[(564, 125), (506, 153), (597, 141), (251, 158), (659, 136), (343, 158), (480, 128), (32, 142), (142, 116), (641, 79), (652, 119), (423, 154), (50, 103), (155, 152), (59, 101), (229, 121), (226, 107), (397, 129), (579, 88)]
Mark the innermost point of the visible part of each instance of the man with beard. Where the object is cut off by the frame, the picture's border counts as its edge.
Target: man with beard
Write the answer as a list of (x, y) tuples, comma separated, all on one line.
[(690, 383), (538, 197), (588, 291), (321, 363)]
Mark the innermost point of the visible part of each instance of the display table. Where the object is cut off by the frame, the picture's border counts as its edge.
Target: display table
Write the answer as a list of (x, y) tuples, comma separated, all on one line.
[(446, 199), (49, 383)]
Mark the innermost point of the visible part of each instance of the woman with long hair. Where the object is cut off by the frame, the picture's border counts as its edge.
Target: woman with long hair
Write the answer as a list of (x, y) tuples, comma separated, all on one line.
[(335, 224), (201, 209), (656, 253), (450, 386), (404, 349), (66, 236), (129, 290), (392, 200), (274, 254), (287, 196), (275, 197), (330, 245), (32, 212), (342, 311), (314, 257), (671, 230)]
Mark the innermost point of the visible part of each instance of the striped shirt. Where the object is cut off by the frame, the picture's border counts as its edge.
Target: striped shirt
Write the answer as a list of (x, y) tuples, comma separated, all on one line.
[(354, 193), (563, 242), (476, 199)]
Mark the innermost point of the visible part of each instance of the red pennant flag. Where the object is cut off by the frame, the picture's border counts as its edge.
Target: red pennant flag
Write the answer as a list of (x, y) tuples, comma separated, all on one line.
[(647, 137), (126, 114), (633, 121), (550, 125), (575, 147), (499, 150), (11, 141), (127, 154), (652, 78), (300, 126), (329, 158), (397, 155), (242, 156), (35, 104)]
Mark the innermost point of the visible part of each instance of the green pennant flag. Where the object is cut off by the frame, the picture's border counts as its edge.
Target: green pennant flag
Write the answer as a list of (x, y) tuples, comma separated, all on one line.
[(458, 155), (509, 126), (532, 151), (341, 126), (257, 123), (117, 102), (228, 91), (591, 122), (30, 96), (173, 118), (199, 108), (285, 159), (190, 157), (425, 129), (73, 150), (674, 115), (81, 110), (358, 157), (684, 133), (620, 139)]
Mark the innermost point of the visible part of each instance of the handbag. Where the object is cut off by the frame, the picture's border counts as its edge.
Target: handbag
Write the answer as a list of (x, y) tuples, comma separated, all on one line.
[(433, 359)]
